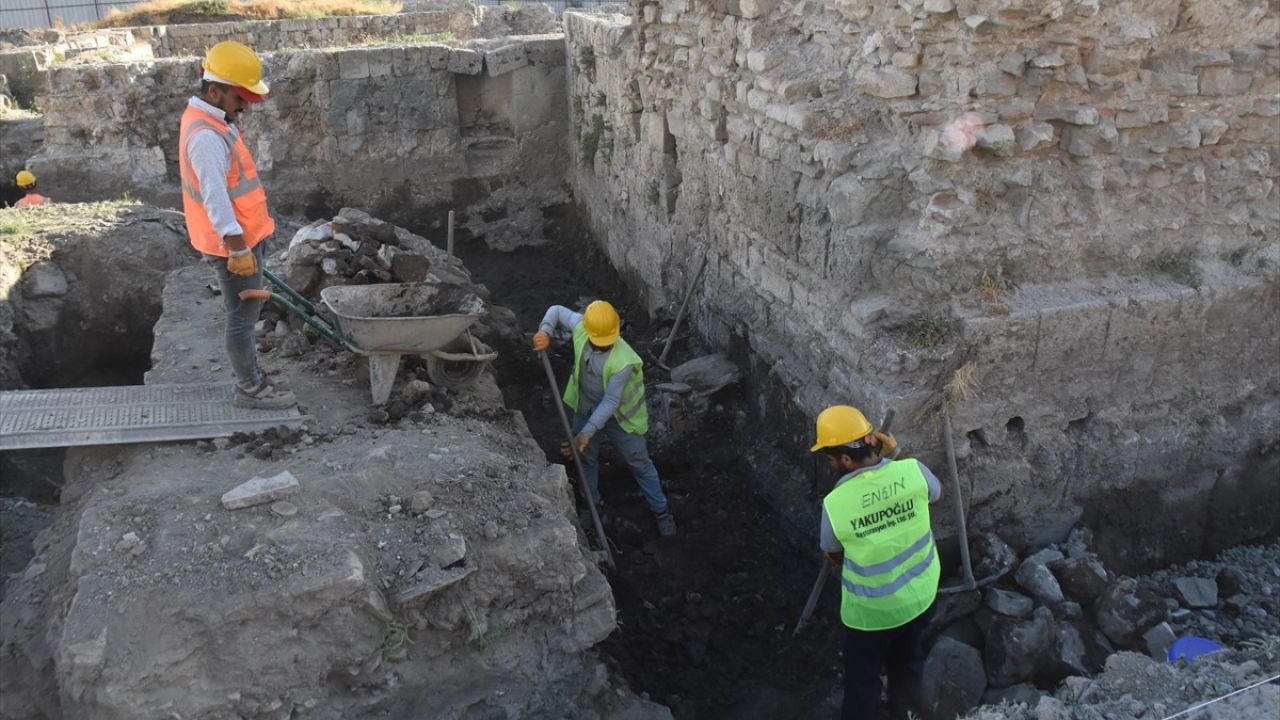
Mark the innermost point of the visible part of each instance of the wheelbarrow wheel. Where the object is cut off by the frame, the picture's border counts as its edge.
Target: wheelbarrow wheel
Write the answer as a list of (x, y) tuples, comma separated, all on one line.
[(454, 374)]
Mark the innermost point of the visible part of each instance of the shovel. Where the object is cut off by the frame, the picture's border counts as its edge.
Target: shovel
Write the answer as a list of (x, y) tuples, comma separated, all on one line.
[(577, 460)]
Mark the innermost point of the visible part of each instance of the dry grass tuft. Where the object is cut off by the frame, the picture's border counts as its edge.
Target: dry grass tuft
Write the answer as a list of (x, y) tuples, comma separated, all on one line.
[(964, 384), (172, 12)]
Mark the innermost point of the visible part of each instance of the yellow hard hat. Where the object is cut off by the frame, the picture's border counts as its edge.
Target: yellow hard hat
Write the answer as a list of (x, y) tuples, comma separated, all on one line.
[(601, 323), (236, 64), (841, 425), (25, 179)]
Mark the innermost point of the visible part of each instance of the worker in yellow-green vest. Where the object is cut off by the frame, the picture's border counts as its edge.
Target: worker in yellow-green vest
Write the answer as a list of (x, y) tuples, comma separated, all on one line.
[(875, 531), (606, 394)]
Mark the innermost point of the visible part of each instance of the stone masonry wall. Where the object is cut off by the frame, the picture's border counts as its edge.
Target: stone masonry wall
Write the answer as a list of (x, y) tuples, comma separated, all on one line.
[(1102, 263), (406, 131)]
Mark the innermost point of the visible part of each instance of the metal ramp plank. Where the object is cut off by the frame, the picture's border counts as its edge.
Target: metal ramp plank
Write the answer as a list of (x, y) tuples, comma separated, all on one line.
[(128, 414)]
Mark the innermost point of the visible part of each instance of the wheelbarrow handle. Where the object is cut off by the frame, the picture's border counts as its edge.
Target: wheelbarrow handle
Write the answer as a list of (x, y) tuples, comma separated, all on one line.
[(255, 295)]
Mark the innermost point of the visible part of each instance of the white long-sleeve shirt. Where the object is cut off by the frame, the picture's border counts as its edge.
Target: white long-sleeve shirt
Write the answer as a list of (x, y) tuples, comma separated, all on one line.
[(603, 401), (211, 161)]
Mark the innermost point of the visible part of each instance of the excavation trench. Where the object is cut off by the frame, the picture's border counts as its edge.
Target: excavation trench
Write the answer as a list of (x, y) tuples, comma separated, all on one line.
[(705, 618), (82, 317)]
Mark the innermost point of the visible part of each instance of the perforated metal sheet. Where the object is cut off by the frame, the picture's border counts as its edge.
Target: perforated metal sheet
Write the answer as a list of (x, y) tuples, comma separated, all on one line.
[(128, 414)]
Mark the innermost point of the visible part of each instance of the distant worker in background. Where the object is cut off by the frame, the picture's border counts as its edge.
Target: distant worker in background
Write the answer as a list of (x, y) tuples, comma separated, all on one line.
[(27, 183), (875, 531), (606, 394), (226, 206)]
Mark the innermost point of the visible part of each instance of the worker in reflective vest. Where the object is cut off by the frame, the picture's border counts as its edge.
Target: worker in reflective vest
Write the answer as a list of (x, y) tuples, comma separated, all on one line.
[(606, 394), (875, 531), (226, 207)]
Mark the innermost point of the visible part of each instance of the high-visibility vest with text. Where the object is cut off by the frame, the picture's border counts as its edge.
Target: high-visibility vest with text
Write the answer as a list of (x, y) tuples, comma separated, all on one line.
[(632, 413), (244, 188), (891, 569)]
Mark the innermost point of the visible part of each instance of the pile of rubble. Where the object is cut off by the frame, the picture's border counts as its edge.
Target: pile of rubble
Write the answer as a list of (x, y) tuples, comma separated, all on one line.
[(1059, 615), (356, 249)]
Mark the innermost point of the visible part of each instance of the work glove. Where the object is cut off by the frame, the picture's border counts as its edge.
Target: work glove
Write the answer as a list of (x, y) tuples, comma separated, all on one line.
[(833, 559), (886, 443), (541, 341), (243, 265), (583, 440), (565, 450)]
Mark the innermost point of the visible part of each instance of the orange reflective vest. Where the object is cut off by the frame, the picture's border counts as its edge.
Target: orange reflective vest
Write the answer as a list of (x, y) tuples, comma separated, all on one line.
[(32, 199), (244, 188)]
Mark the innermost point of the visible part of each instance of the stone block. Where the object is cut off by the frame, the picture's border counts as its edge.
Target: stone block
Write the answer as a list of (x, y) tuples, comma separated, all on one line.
[(503, 60), (1072, 114), (261, 490), (1125, 611), (1006, 602), (1175, 83), (1158, 640), (1013, 63), (1016, 648), (1197, 592), (1035, 135), (465, 62), (952, 681), (44, 280), (762, 60), (381, 61), (999, 139), (353, 64), (1143, 117), (433, 582), (754, 9), (891, 83), (1036, 578), (939, 7), (994, 82), (1083, 578), (1220, 81), (1211, 130)]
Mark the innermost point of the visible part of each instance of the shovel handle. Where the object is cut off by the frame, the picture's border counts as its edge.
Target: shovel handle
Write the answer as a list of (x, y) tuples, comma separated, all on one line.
[(254, 295)]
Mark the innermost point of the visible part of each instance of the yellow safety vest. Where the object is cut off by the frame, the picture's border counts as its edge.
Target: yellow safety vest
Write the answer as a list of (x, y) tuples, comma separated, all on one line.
[(891, 568), (632, 413)]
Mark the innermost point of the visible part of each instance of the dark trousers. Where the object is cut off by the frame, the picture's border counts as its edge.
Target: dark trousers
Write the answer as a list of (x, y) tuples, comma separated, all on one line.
[(868, 653)]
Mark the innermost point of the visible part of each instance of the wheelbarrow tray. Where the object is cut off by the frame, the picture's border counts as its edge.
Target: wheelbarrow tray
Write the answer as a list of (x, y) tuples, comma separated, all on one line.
[(402, 318)]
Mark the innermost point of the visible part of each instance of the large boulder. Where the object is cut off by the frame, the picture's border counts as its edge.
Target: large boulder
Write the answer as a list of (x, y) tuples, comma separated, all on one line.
[(1035, 577), (1083, 578), (1015, 649), (953, 680), (1126, 610)]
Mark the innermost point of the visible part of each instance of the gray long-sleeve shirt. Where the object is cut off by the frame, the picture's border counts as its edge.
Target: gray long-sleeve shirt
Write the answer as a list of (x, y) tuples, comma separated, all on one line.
[(592, 394), (211, 161), (829, 541)]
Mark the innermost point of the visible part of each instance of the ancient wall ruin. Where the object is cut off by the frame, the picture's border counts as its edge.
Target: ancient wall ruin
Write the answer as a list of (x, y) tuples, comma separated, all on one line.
[(1101, 266), (405, 130)]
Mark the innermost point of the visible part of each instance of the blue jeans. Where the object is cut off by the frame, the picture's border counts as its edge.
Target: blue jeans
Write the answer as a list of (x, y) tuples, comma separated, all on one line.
[(633, 451), (242, 316)]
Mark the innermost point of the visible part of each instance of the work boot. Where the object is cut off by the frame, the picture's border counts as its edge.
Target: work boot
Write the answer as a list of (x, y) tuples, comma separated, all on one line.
[(666, 524), (263, 397)]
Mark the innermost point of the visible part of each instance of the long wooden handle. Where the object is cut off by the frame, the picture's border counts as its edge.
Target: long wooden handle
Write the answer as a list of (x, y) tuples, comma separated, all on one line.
[(577, 459)]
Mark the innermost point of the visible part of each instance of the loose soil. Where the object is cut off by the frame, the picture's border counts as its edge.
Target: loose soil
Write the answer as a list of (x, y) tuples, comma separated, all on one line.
[(706, 617)]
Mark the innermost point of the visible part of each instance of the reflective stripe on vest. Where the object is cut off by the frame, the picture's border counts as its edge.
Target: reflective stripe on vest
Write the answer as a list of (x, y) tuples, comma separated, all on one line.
[(244, 187), (891, 567), (632, 413)]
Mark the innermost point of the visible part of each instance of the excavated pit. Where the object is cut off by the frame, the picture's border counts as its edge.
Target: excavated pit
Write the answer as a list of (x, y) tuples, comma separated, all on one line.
[(78, 316)]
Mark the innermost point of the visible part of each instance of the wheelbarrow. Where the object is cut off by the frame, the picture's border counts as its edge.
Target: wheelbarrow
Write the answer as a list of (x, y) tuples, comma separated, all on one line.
[(383, 322)]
